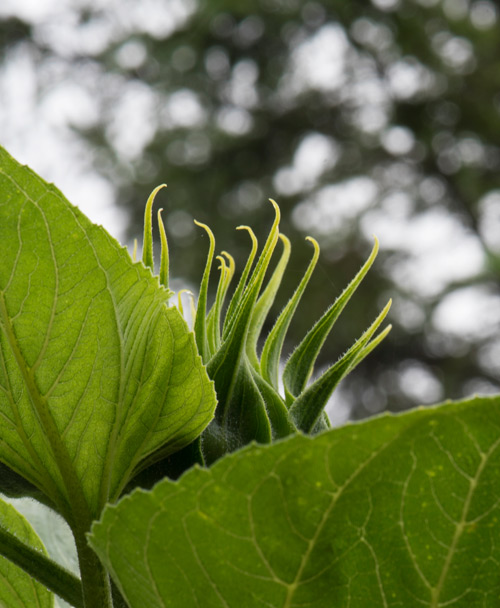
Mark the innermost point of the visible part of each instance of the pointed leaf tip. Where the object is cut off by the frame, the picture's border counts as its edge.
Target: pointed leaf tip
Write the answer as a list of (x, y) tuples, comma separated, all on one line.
[(276, 209), (314, 243), (147, 247), (200, 326), (235, 299), (265, 302), (164, 262), (271, 352), (179, 299), (299, 366), (306, 410), (230, 261), (205, 227)]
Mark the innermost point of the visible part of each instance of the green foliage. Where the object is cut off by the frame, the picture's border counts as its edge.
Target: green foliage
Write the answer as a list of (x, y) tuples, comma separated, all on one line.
[(102, 385), (18, 589), (397, 511), (250, 406), (224, 99)]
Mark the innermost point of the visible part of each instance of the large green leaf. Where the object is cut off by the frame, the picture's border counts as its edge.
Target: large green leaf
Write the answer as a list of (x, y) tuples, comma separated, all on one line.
[(397, 511), (97, 376), (18, 589)]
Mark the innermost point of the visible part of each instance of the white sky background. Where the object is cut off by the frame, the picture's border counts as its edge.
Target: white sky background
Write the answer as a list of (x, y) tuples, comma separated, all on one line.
[(436, 248), (38, 131)]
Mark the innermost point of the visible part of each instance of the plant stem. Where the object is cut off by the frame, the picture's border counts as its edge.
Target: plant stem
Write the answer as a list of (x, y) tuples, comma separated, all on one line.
[(118, 601), (56, 578), (95, 580)]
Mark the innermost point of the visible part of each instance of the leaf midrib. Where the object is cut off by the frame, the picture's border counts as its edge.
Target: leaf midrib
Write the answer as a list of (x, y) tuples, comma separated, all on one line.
[(43, 416), (74, 506)]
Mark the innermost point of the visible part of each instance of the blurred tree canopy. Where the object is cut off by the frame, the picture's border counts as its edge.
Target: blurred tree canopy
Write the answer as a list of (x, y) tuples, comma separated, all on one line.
[(358, 117)]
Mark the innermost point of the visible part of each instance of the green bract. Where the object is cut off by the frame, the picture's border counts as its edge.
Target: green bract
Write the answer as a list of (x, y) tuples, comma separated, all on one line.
[(250, 406)]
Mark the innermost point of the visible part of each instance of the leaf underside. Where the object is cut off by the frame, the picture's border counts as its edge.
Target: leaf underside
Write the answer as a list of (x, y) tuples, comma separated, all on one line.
[(97, 375), (18, 589), (396, 511)]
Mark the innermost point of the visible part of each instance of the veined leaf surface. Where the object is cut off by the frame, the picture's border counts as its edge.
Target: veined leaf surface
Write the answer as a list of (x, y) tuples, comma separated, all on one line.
[(96, 373), (396, 511), (18, 589)]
